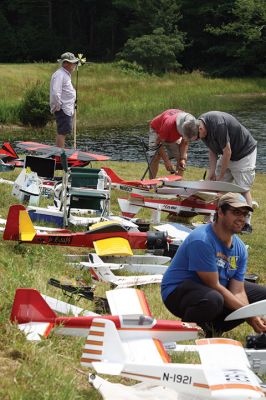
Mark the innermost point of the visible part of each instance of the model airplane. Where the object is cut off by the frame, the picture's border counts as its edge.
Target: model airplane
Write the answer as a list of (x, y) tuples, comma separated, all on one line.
[(188, 207), (92, 260), (103, 273), (128, 185), (224, 372), (107, 237), (75, 158), (36, 318)]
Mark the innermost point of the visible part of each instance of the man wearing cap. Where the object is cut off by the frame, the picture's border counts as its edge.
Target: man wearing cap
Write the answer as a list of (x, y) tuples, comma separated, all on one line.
[(232, 150), (63, 97), (205, 281), (166, 141)]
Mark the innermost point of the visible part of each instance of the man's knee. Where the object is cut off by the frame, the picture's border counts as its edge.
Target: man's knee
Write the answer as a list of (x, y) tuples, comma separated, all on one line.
[(205, 310)]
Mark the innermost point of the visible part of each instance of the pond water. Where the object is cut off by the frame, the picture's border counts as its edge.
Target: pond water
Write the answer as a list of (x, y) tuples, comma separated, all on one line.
[(125, 144)]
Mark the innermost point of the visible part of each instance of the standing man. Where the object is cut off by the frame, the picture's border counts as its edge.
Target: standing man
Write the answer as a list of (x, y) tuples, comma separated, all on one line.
[(63, 97), (232, 150), (166, 141), (205, 280)]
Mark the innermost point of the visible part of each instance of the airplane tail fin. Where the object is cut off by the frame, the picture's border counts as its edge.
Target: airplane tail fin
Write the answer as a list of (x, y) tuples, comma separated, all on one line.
[(18, 225), (8, 152), (127, 209), (112, 175), (30, 306), (102, 274), (103, 344)]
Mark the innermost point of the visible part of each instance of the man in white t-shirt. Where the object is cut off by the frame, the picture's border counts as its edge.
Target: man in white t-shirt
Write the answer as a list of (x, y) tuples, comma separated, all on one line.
[(63, 97)]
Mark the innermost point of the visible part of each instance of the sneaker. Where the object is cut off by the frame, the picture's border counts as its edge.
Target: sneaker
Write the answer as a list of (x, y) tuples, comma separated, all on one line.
[(247, 228)]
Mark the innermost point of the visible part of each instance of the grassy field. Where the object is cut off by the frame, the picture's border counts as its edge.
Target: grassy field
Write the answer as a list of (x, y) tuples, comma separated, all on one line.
[(110, 97), (50, 369)]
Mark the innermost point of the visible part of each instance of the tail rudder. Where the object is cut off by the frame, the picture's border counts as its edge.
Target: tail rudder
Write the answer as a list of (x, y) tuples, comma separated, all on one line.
[(11, 231), (30, 306), (127, 209), (112, 175), (18, 224), (8, 151), (102, 274), (103, 345)]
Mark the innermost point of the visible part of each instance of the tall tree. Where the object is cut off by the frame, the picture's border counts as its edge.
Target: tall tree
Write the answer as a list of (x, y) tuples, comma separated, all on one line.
[(241, 40)]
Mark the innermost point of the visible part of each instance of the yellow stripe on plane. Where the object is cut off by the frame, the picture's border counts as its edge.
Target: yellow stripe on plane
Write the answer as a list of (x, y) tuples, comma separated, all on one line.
[(26, 228)]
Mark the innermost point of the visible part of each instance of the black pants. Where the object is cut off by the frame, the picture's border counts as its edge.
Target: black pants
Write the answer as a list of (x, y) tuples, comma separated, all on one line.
[(195, 302)]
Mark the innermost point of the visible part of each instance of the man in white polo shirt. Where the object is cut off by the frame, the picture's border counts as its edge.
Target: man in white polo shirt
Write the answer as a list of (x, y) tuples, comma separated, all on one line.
[(63, 97)]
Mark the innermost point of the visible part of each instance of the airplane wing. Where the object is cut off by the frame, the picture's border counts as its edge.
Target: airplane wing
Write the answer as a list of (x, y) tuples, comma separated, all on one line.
[(140, 391), (251, 310), (175, 231), (56, 151), (65, 308), (212, 186), (111, 347), (35, 331), (227, 368), (128, 301)]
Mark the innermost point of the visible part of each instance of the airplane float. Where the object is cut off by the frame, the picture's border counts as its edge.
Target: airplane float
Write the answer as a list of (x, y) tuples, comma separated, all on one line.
[(107, 237), (130, 313), (224, 371)]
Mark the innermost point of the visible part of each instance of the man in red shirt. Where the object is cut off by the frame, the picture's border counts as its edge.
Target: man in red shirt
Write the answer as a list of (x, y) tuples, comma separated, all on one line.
[(166, 141)]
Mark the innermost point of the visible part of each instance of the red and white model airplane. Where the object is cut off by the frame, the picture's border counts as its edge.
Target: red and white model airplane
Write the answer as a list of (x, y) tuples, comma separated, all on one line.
[(130, 314), (170, 194), (224, 371), (107, 237), (145, 184)]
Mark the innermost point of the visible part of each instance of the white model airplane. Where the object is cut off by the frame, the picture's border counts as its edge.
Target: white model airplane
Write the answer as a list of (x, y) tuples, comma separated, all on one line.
[(94, 261), (103, 273), (224, 372)]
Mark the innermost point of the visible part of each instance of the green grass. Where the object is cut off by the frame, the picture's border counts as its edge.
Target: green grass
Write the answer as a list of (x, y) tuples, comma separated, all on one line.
[(50, 369), (110, 97)]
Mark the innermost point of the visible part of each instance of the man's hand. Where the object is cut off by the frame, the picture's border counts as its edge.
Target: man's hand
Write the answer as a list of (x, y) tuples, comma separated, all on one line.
[(182, 164), (169, 167), (257, 323), (211, 177)]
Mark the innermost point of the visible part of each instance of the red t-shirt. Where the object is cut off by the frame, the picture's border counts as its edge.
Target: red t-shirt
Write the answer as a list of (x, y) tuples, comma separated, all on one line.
[(165, 125)]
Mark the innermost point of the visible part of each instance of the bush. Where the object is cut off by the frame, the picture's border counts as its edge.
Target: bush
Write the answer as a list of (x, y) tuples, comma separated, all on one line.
[(129, 67), (34, 109), (156, 53)]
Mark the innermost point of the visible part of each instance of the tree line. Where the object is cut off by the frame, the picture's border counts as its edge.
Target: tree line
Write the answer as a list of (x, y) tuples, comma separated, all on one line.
[(226, 38)]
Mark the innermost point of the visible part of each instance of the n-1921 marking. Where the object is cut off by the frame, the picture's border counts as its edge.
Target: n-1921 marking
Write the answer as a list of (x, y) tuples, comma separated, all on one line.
[(177, 378)]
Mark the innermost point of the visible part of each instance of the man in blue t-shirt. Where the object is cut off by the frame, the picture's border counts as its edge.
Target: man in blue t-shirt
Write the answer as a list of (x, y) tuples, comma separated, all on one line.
[(205, 280)]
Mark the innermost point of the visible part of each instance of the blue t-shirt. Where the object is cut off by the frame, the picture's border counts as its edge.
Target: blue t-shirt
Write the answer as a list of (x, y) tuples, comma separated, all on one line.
[(202, 251)]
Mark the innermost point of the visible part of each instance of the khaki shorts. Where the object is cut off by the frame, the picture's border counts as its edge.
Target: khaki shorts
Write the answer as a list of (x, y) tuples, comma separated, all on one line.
[(173, 149), (242, 172)]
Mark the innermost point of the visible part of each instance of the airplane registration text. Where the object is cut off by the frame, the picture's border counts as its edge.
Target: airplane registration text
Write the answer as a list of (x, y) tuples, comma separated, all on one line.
[(178, 378)]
